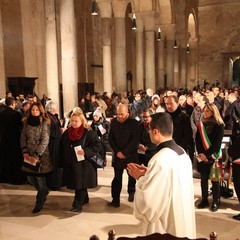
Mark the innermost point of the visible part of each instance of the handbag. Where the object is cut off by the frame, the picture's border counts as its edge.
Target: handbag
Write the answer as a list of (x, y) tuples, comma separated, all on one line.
[(98, 160), (225, 191)]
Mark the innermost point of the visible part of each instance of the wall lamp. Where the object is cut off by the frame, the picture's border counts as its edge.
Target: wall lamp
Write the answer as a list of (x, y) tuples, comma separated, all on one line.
[(159, 35), (175, 44), (188, 48), (134, 24), (94, 8)]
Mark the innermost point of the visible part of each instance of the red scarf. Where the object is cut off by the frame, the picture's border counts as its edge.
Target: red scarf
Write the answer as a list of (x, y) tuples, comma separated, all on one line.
[(75, 133)]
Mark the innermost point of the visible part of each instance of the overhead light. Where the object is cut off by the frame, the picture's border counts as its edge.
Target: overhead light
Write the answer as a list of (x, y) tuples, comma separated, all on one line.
[(134, 24), (94, 8), (188, 48), (175, 44), (159, 36)]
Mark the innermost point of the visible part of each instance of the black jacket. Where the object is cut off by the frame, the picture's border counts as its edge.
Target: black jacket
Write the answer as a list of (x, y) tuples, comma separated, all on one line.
[(79, 174), (182, 130), (124, 137)]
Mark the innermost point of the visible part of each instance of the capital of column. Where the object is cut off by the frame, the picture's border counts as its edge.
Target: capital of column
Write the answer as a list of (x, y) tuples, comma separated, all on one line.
[(105, 8), (149, 19), (169, 31), (119, 8)]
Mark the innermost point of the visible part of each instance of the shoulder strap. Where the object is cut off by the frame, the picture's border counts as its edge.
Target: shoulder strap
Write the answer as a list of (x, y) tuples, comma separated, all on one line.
[(84, 138)]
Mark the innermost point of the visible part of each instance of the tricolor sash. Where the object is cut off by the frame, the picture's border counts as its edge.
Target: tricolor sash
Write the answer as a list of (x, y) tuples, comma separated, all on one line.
[(216, 172)]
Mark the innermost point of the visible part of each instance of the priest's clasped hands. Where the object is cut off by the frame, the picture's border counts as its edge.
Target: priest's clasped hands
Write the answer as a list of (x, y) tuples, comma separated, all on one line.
[(136, 170)]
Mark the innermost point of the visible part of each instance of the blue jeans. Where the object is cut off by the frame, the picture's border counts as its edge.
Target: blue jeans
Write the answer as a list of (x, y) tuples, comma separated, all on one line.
[(40, 184)]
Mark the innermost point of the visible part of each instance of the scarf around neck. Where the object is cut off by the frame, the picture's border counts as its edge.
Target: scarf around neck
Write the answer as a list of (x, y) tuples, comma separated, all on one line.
[(75, 133), (33, 121)]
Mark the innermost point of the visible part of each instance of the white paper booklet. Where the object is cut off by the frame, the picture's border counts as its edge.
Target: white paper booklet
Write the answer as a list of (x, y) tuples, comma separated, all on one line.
[(79, 157), (101, 129)]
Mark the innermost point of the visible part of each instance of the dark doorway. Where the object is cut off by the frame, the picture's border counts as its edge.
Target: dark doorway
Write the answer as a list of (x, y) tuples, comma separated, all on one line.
[(23, 85)]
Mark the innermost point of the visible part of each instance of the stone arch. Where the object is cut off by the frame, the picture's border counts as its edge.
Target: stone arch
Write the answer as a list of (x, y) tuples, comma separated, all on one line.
[(191, 26), (224, 19), (237, 19), (233, 42), (165, 12)]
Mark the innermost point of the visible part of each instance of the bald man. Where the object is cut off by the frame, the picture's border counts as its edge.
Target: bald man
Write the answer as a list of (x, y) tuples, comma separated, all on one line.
[(123, 139)]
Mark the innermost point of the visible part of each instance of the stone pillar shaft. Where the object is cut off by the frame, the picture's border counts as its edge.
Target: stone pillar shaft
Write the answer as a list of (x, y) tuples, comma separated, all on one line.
[(69, 55), (139, 60), (161, 70), (2, 70), (120, 55), (107, 56), (51, 52), (150, 61)]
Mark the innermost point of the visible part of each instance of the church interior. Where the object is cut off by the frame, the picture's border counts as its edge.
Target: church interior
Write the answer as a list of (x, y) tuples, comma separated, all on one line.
[(66, 48)]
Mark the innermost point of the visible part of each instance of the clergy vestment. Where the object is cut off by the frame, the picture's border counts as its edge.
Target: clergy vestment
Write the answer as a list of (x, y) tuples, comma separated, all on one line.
[(164, 198)]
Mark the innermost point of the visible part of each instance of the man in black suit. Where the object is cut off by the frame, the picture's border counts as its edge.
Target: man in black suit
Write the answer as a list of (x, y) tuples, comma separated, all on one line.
[(10, 150), (182, 132), (123, 139)]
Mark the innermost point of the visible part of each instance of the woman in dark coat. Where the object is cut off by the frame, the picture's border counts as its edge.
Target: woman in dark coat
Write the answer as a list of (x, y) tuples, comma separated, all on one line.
[(101, 126), (34, 144), (78, 143), (54, 179), (208, 143)]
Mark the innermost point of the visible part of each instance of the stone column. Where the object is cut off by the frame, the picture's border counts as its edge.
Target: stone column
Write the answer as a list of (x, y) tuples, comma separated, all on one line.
[(51, 52), (69, 55), (161, 70), (149, 25), (107, 56), (139, 55), (170, 33), (176, 67), (106, 14), (193, 60), (150, 61), (2, 64), (119, 9)]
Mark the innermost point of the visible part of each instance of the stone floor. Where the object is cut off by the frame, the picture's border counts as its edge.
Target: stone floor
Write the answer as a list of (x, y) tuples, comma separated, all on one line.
[(55, 221)]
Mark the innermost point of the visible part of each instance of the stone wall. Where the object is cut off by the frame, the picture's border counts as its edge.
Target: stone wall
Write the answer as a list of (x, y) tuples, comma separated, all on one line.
[(218, 35)]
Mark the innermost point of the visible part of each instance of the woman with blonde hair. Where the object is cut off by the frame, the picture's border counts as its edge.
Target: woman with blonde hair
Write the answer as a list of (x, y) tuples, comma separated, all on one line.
[(210, 131), (78, 143), (34, 144)]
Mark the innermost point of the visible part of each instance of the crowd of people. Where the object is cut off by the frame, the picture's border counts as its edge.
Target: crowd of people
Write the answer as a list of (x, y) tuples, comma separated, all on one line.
[(138, 128)]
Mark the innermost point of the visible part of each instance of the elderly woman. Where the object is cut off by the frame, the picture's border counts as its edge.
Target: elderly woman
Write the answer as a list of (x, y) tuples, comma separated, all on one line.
[(54, 179)]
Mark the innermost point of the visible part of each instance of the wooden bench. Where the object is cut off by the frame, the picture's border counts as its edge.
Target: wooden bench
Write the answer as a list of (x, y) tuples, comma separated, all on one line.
[(155, 236)]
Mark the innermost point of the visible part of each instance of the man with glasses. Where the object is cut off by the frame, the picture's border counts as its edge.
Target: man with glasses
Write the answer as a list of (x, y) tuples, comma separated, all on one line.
[(146, 149), (164, 198)]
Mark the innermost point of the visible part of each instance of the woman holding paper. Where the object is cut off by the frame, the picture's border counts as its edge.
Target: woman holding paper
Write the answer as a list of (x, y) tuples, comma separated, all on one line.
[(77, 144), (209, 137), (34, 144)]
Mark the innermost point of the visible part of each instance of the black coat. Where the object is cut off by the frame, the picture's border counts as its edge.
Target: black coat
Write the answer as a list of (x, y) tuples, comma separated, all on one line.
[(215, 138), (124, 137), (182, 130), (10, 150), (54, 180), (79, 174)]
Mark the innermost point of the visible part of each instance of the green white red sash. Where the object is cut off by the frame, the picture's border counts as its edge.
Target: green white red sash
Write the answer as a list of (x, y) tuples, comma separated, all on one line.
[(216, 170), (206, 141)]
